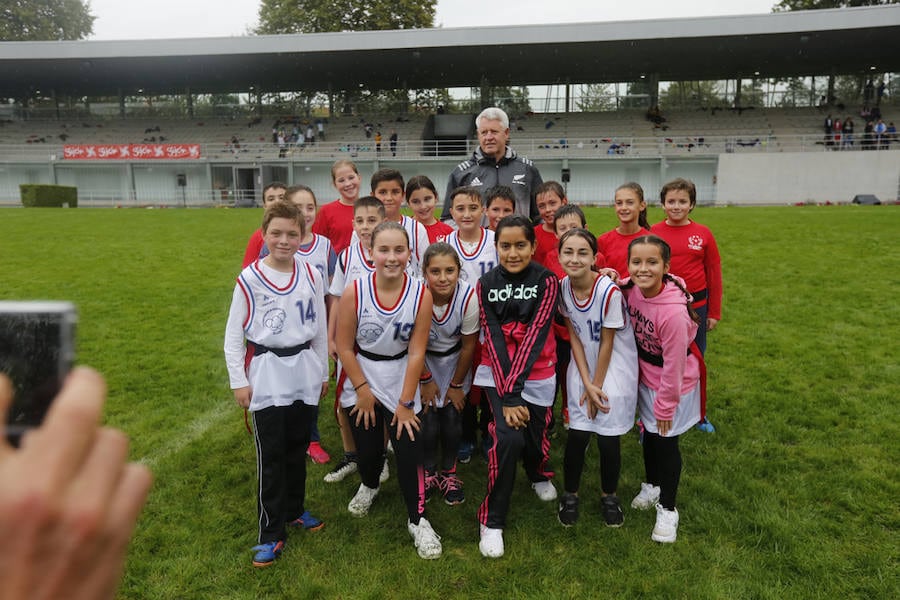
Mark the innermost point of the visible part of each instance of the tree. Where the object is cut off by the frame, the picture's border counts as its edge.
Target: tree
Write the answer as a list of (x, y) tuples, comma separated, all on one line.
[(35, 20), (316, 16), (691, 94), (596, 97)]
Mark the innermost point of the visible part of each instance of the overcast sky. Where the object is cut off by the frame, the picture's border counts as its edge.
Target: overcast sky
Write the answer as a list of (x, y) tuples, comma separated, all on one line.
[(149, 19)]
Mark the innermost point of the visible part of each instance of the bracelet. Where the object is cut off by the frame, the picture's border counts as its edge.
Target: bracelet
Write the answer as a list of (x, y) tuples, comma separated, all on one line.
[(425, 378), (356, 389), (456, 386)]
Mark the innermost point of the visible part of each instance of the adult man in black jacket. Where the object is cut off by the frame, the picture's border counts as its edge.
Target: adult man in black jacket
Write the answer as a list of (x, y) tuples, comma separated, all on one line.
[(495, 163)]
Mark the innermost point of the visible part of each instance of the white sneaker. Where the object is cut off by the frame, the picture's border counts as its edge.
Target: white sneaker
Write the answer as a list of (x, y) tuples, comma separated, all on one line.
[(491, 544), (385, 472), (544, 490), (666, 529), (361, 503), (646, 498), (428, 543), (345, 467)]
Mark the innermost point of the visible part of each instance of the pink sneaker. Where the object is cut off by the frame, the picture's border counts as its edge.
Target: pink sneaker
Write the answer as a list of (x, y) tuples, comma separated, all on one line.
[(317, 453)]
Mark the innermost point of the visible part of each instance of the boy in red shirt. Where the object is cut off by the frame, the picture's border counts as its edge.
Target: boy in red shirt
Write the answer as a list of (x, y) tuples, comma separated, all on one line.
[(695, 258)]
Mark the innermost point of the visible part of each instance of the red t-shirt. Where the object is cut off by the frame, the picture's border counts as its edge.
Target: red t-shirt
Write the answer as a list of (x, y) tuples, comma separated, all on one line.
[(254, 245), (335, 221), (438, 231), (546, 241), (695, 258), (614, 247)]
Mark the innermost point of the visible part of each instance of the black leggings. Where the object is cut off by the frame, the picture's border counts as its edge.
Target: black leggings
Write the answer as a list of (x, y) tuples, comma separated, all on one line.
[(610, 460), (370, 447), (442, 425), (662, 461)]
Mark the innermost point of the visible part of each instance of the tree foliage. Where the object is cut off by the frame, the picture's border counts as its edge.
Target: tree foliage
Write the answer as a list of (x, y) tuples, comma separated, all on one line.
[(34, 20), (596, 97), (788, 5), (315, 16)]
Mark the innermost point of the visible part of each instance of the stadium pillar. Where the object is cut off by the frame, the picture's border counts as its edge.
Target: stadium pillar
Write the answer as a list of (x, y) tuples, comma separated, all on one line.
[(737, 92), (121, 103), (653, 89), (131, 193), (190, 102), (568, 92), (330, 101)]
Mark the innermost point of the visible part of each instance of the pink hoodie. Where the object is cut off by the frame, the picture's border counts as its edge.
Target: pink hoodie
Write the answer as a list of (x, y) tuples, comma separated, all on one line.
[(664, 330)]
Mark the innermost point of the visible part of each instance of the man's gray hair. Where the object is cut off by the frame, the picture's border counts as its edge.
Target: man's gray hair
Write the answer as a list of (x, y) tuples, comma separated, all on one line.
[(493, 114)]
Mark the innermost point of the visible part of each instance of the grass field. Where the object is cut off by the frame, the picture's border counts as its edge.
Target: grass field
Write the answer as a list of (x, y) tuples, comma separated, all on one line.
[(795, 496)]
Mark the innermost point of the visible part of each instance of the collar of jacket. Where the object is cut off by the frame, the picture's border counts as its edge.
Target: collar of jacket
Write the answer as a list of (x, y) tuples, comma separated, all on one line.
[(481, 159)]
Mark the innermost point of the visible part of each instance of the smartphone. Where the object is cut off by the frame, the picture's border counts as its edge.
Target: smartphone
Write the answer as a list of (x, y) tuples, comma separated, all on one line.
[(37, 349)]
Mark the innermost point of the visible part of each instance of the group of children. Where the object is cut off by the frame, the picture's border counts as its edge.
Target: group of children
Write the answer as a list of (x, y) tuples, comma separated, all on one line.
[(427, 322)]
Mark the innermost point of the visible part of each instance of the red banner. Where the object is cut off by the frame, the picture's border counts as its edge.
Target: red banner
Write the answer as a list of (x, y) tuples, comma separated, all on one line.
[(131, 151)]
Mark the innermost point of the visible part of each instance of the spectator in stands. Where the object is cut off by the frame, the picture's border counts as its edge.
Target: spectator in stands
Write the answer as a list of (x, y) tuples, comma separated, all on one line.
[(848, 131), (320, 127), (880, 130), (377, 142), (495, 163), (829, 127), (393, 140), (838, 128), (868, 135), (880, 93), (891, 134)]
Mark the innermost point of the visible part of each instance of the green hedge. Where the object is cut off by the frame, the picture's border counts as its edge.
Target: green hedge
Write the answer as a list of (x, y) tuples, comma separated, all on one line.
[(48, 195)]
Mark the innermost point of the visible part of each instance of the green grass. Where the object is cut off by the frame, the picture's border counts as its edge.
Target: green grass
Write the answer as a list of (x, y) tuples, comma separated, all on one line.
[(795, 496)]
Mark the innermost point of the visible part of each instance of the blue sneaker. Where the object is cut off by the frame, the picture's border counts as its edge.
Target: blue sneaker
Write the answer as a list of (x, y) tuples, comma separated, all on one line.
[(464, 455), (267, 553), (705, 426), (307, 522)]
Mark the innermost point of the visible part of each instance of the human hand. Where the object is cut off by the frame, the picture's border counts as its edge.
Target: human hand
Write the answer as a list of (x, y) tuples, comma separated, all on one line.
[(457, 397), (364, 410), (324, 391), (611, 273), (516, 416), (596, 398), (69, 499), (242, 396), (332, 349), (711, 324), (429, 393), (664, 427), (406, 420)]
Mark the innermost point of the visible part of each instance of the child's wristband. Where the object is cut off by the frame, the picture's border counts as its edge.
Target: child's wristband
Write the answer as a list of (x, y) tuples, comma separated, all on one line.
[(356, 389), (456, 386), (425, 378)]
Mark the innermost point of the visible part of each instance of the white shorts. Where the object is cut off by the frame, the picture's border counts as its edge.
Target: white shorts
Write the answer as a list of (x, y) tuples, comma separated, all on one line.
[(619, 419), (686, 415)]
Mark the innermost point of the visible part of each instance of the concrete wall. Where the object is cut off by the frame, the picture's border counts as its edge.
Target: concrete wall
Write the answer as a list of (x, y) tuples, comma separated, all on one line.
[(786, 178)]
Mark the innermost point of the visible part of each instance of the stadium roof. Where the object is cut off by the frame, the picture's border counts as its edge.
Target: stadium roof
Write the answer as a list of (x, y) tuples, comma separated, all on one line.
[(781, 44)]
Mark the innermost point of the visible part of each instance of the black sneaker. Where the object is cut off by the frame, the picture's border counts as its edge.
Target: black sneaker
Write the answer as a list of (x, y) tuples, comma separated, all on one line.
[(452, 488), (347, 466), (568, 510), (612, 511)]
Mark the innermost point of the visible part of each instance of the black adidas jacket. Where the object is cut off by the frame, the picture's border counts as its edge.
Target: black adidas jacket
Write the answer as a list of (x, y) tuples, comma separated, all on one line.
[(484, 172)]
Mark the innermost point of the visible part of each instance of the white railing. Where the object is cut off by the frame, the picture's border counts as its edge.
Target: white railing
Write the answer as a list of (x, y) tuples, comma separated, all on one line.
[(599, 147)]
